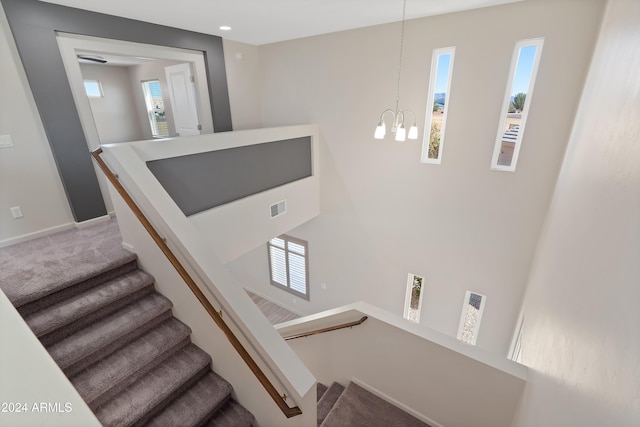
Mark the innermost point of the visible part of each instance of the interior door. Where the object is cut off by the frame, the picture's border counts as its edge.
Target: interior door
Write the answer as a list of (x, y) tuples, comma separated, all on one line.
[(183, 98)]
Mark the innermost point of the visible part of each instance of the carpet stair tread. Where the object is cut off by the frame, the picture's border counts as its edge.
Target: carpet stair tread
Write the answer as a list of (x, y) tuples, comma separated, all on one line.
[(67, 292), (196, 404), (328, 400), (62, 260), (146, 397), (357, 407), (320, 390), (90, 304), (110, 375), (232, 414), (110, 333)]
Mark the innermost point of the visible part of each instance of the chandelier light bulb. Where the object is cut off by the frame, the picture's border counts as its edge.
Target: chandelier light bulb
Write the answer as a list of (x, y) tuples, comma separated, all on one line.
[(380, 131), (401, 133), (413, 132)]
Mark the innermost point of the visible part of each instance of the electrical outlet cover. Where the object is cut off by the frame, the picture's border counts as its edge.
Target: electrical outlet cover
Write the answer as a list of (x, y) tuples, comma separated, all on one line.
[(5, 141), (16, 212)]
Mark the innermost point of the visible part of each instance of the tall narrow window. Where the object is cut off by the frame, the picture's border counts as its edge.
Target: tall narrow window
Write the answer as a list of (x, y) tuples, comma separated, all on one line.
[(288, 266), (515, 108), (471, 316), (413, 298), (155, 108), (437, 104)]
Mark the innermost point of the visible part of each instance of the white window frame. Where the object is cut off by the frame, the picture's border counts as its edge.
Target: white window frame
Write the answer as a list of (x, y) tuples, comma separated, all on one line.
[(408, 295), (515, 351), (98, 83), (426, 136), (463, 316), (538, 43), (148, 101), (287, 251)]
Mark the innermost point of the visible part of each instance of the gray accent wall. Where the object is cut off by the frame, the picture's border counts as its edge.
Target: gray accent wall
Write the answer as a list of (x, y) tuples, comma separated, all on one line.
[(34, 25), (202, 181)]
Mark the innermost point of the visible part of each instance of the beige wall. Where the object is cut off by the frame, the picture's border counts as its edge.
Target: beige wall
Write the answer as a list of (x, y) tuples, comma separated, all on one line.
[(243, 78), (28, 175), (581, 332), (114, 114), (459, 224), (384, 214)]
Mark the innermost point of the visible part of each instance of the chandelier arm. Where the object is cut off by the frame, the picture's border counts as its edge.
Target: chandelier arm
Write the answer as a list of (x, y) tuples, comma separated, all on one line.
[(412, 113), (388, 110)]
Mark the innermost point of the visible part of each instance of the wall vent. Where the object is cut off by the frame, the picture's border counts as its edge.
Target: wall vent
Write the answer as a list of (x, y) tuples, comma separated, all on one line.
[(278, 209)]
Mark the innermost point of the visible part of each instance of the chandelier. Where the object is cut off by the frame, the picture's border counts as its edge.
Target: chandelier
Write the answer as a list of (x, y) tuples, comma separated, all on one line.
[(398, 116)]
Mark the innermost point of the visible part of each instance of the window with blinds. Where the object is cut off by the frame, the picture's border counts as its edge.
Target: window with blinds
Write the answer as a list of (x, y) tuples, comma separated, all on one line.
[(288, 265)]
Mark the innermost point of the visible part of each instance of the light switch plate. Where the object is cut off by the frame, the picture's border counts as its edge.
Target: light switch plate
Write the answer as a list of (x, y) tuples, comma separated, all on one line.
[(5, 141)]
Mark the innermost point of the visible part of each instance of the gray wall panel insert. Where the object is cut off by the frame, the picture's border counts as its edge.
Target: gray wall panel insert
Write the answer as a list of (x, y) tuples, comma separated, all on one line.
[(198, 182)]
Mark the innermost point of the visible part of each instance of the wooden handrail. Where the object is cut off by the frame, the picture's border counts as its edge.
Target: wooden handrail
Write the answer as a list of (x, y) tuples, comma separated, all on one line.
[(327, 329), (215, 315)]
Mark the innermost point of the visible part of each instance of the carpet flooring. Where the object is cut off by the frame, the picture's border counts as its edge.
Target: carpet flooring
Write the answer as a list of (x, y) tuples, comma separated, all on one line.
[(356, 407), (273, 312), (40, 267), (112, 334)]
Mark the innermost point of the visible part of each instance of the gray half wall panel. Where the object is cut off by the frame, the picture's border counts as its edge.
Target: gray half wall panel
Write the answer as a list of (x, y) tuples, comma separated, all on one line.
[(202, 181)]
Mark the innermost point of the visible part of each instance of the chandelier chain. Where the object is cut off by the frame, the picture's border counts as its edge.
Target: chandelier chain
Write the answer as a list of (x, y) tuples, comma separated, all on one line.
[(404, 11)]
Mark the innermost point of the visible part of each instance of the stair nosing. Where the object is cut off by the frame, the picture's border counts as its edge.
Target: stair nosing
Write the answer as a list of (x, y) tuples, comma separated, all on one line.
[(143, 409), (108, 335), (208, 381), (90, 307), (43, 300), (127, 371)]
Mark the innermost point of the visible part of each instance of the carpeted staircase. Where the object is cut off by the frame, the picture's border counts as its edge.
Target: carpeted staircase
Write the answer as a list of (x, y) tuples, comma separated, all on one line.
[(353, 406), (112, 334)]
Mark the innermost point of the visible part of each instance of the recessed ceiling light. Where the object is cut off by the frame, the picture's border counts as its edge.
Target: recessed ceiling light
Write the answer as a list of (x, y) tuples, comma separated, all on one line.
[(225, 27)]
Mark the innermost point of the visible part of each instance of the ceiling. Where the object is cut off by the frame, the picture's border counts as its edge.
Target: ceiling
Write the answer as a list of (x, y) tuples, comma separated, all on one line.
[(266, 21)]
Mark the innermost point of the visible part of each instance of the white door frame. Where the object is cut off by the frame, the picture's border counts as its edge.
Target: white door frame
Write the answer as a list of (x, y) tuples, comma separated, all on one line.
[(69, 43)]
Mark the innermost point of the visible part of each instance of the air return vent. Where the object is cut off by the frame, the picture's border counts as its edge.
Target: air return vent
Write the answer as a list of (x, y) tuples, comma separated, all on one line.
[(278, 209)]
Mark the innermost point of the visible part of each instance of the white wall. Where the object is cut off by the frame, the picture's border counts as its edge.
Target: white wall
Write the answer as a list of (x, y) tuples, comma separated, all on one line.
[(384, 214), (114, 114), (28, 175), (428, 374), (30, 377), (238, 227), (582, 324), (243, 78)]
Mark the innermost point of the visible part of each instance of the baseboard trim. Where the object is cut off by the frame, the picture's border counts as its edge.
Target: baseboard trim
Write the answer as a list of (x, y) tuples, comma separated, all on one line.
[(36, 234), (128, 247), (92, 221), (394, 402)]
